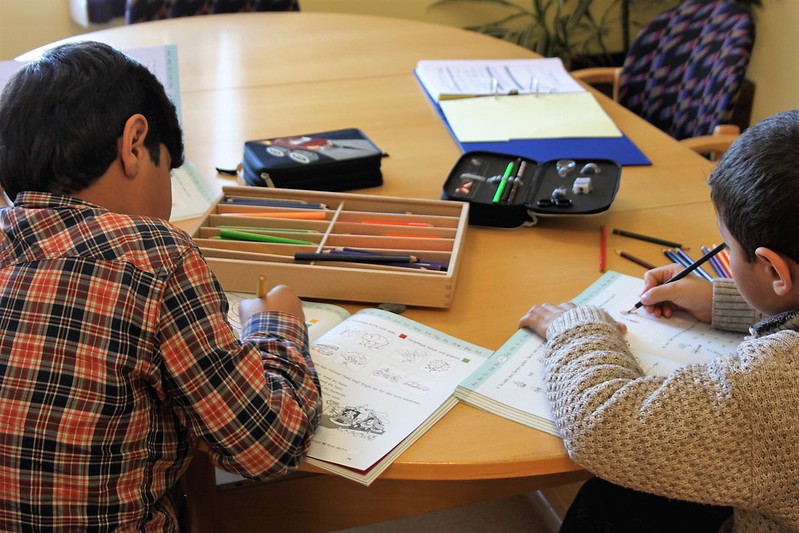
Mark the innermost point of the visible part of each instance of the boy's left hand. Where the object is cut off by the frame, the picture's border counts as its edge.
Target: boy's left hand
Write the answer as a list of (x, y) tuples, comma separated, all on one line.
[(539, 317)]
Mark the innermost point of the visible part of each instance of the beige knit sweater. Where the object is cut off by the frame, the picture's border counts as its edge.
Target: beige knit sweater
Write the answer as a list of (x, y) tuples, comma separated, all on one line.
[(722, 433)]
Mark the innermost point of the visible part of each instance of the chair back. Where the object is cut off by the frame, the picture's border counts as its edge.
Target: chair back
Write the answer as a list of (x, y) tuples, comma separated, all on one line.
[(685, 68), (145, 10)]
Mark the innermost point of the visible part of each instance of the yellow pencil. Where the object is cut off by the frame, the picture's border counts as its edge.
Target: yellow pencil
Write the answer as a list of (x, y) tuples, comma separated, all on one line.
[(260, 292)]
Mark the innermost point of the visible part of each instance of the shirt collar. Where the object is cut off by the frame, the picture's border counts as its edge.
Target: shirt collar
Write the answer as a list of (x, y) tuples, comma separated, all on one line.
[(39, 200), (788, 320)]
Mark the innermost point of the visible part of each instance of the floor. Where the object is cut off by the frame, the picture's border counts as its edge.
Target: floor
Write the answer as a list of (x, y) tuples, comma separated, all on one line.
[(536, 512)]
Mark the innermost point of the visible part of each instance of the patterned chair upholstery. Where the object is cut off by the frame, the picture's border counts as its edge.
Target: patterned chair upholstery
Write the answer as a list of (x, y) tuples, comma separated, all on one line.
[(145, 10), (684, 71)]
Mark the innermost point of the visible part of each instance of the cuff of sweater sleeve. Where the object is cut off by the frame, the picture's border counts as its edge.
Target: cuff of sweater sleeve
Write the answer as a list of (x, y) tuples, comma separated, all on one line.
[(730, 311), (576, 316)]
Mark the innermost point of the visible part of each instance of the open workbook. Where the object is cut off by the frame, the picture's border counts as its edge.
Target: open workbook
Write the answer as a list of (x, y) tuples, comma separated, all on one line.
[(511, 383), (385, 381)]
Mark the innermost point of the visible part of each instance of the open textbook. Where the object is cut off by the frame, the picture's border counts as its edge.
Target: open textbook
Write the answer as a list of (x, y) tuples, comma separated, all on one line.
[(385, 381), (511, 383)]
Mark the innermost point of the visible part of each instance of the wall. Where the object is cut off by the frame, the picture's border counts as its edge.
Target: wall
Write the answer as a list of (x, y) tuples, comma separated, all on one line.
[(26, 24)]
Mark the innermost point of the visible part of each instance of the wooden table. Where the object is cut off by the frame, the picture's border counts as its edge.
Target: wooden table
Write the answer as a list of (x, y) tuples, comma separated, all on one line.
[(265, 75)]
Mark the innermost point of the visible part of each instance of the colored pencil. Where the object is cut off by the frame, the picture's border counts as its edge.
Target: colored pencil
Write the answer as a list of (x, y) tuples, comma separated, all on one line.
[(603, 247), (235, 235), (646, 238), (688, 260), (354, 257), (636, 260), (260, 290), (298, 215)]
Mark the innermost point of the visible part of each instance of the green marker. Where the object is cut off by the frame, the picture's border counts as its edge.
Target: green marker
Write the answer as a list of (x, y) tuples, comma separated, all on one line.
[(235, 235), (503, 183)]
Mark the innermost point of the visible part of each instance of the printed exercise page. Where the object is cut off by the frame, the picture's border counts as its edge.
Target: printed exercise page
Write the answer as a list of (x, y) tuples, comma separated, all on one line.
[(511, 383), (382, 376), (661, 345)]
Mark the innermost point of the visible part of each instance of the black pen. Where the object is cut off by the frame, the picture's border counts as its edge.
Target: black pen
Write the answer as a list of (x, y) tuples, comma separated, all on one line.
[(690, 268)]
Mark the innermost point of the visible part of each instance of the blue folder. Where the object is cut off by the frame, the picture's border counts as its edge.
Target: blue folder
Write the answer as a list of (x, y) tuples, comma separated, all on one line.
[(619, 149)]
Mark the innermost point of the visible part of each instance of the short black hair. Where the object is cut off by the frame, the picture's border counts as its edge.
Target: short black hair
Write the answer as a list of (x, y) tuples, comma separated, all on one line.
[(755, 186), (62, 115)]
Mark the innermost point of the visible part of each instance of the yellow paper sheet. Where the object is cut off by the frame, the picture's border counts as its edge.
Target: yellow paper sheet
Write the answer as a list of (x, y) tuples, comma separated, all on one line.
[(542, 116)]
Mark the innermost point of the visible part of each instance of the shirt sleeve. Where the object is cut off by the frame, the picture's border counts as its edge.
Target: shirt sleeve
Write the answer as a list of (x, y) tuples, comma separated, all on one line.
[(685, 436), (255, 402)]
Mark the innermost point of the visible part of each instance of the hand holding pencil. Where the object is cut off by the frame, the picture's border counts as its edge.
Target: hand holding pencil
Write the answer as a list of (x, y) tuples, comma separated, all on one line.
[(669, 288), (279, 299)]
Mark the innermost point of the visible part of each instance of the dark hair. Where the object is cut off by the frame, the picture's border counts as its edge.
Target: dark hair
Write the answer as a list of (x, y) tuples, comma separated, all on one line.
[(62, 115), (755, 186)]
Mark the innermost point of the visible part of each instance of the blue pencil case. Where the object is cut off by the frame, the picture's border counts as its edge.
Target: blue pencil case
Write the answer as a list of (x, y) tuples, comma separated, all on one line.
[(507, 192)]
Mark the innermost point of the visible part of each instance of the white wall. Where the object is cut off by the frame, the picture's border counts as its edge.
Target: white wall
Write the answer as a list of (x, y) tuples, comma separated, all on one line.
[(27, 24)]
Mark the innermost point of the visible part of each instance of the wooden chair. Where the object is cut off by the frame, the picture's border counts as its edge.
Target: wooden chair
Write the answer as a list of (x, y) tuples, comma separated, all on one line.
[(713, 146), (685, 69)]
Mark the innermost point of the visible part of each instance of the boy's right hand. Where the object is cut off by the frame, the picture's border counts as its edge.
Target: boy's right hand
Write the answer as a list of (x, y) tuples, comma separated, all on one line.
[(280, 298), (691, 294)]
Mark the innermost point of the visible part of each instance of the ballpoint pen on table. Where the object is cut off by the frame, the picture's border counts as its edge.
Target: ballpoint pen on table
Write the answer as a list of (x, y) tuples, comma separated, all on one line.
[(696, 264)]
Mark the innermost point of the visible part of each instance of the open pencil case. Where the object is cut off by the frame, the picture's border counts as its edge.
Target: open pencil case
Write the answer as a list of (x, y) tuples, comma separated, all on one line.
[(507, 192)]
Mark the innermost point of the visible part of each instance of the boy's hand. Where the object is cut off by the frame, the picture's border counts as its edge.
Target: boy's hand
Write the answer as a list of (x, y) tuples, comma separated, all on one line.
[(691, 294), (280, 298), (539, 317)]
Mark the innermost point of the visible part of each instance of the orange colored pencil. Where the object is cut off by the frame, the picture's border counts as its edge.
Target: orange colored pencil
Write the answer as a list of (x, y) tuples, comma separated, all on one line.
[(724, 259)]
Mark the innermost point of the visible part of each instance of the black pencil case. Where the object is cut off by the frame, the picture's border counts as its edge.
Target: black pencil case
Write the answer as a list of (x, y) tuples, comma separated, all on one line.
[(563, 187), (338, 160)]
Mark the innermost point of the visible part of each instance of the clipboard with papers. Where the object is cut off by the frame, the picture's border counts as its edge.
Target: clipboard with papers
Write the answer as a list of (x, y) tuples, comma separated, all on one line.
[(524, 107)]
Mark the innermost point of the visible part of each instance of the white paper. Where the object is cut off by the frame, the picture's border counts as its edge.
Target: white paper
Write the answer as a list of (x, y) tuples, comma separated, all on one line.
[(462, 78), (383, 376), (192, 196)]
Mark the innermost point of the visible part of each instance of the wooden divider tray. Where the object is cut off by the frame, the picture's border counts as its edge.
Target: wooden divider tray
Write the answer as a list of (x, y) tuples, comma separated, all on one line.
[(431, 232)]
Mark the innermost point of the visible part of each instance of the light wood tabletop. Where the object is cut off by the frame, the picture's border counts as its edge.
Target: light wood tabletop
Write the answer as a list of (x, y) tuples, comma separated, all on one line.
[(255, 76)]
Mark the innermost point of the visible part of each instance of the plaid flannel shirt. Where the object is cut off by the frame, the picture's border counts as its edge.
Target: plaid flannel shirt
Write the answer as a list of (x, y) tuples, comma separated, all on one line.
[(116, 357)]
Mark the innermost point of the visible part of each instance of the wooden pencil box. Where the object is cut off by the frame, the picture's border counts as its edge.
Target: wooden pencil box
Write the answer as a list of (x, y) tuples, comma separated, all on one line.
[(506, 191), (431, 232)]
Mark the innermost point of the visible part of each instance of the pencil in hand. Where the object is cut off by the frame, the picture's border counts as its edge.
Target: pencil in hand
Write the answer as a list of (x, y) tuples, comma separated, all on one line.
[(680, 275)]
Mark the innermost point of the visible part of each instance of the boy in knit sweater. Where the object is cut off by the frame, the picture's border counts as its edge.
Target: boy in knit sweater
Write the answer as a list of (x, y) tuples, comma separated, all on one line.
[(684, 452)]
